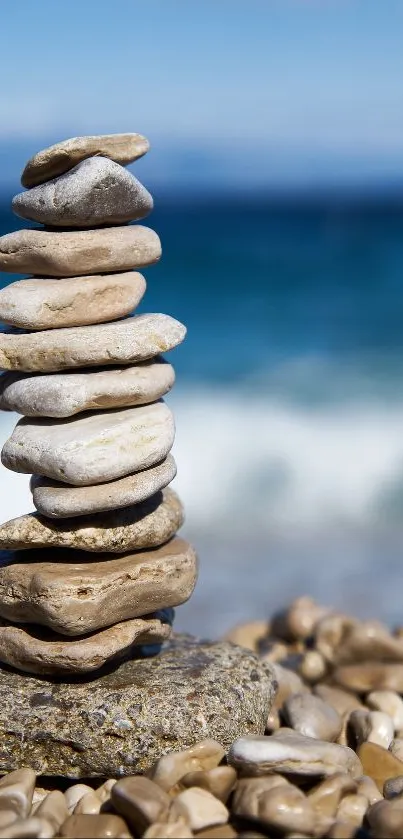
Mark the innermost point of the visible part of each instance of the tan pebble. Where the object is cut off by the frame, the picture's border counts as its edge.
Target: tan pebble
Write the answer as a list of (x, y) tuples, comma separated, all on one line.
[(174, 830), (367, 786), (369, 676), (223, 831), (168, 770), (248, 635), (53, 809), (288, 683), (140, 801), (311, 716), (273, 721), (390, 703), (342, 830), (313, 667), (380, 764), (274, 651), (74, 793), (220, 781), (393, 788), (343, 640), (341, 700), (352, 808), (16, 792), (396, 747), (284, 808), (326, 796), (299, 620), (89, 805), (104, 791), (200, 809), (7, 817), (249, 791), (371, 726), (330, 633), (31, 828), (385, 819), (289, 752), (103, 826)]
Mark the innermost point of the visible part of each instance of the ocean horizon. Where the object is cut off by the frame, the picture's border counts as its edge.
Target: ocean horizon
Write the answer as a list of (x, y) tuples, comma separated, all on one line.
[(288, 400)]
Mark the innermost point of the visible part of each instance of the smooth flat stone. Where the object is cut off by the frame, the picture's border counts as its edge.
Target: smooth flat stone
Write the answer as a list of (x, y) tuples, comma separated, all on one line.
[(124, 342), (369, 676), (43, 652), (311, 716), (291, 753), (66, 394), (72, 253), (72, 301), (103, 826), (96, 191), (92, 448), (73, 596), (144, 525), (121, 722), (59, 158), (56, 500), (379, 763)]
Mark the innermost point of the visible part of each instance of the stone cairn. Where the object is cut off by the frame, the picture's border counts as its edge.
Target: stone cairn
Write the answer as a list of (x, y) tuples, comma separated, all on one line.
[(93, 575)]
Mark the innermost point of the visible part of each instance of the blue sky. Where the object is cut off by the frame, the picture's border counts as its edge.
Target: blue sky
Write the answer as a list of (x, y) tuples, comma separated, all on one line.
[(272, 90)]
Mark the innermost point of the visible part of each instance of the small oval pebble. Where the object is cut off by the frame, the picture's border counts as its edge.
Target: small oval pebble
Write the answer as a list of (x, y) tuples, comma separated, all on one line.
[(385, 819), (169, 830), (371, 726), (220, 781), (380, 764), (390, 703), (168, 770), (31, 828), (199, 808), (74, 793), (393, 788), (103, 826), (309, 715), (325, 798), (352, 808), (89, 805), (53, 809), (16, 792), (140, 801)]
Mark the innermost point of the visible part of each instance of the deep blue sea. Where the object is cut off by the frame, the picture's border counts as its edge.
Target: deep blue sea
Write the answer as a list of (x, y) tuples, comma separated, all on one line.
[(288, 402)]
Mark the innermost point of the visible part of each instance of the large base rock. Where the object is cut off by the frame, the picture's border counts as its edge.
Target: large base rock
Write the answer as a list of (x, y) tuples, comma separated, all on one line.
[(122, 721)]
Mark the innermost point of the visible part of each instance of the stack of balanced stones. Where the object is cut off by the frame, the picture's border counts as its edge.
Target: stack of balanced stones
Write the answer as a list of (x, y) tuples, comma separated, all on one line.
[(94, 574)]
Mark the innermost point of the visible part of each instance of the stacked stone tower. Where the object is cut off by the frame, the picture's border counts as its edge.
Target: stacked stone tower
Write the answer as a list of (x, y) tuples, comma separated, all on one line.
[(93, 574)]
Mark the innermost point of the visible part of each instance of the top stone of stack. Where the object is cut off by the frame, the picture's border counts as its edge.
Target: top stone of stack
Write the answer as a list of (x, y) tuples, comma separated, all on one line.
[(61, 157)]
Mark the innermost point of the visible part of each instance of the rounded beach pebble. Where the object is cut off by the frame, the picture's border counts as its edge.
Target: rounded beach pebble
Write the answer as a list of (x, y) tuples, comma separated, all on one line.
[(96, 191), (59, 158)]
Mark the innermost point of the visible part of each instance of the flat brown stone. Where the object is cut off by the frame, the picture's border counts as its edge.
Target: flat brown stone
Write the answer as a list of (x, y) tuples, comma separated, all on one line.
[(46, 653), (379, 763), (72, 253), (65, 592), (59, 158), (121, 722), (72, 301), (144, 525)]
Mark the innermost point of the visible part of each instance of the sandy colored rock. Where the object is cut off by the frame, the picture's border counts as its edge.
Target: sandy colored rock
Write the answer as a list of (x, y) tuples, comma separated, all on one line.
[(56, 500), (342, 701), (343, 641), (93, 448), (31, 828), (170, 830), (291, 753), (61, 395), (122, 721), (72, 596), (369, 676), (311, 716), (97, 191), (144, 525), (282, 807), (326, 796), (371, 726), (140, 802), (249, 634), (390, 703), (170, 768), (288, 684), (53, 809), (199, 808), (352, 809), (46, 653), (385, 819), (124, 342), (16, 791), (220, 781), (298, 621), (73, 301), (55, 253), (73, 795), (59, 158), (88, 805), (103, 826), (380, 764)]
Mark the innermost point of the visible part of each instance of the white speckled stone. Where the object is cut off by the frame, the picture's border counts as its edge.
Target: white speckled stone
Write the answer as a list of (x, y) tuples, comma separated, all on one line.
[(56, 500), (59, 158), (96, 191), (92, 448), (72, 301), (65, 394), (61, 253), (123, 342)]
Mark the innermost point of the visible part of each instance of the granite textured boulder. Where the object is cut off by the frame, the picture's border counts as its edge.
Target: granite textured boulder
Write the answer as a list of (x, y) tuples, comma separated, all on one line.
[(72, 301), (92, 448), (65, 394), (121, 722), (55, 253), (59, 158), (43, 652), (97, 191), (56, 500), (124, 342), (73, 596), (144, 525)]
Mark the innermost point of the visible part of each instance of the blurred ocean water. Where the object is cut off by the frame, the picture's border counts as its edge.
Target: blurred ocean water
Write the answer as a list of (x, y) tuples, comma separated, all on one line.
[(289, 402)]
